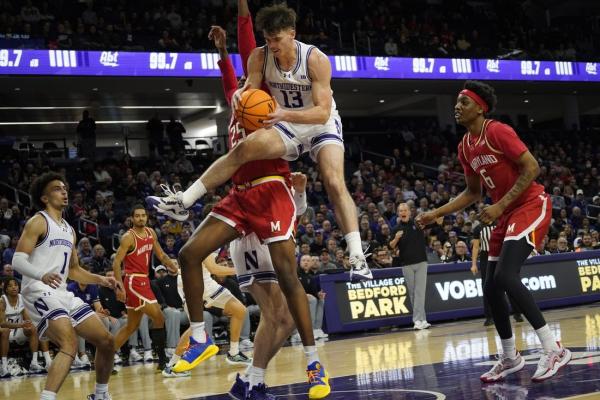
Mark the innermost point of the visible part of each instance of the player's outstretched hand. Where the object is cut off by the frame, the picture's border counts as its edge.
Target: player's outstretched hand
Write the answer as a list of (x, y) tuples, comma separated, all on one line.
[(237, 96), (219, 36), (52, 279), (425, 219), (299, 182)]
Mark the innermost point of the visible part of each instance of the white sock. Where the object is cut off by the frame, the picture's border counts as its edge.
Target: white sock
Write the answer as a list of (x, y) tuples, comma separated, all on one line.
[(101, 390), (4, 362), (47, 357), (48, 395), (311, 354), (198, 332), (244, 375), (234, 348), (354, 244), (174, 360), (547, 338), (509, 348), (34, 357), (193, 193), (255, 376)]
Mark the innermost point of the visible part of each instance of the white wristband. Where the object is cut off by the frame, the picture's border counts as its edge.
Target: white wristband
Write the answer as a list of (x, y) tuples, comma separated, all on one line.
[(300, 201)]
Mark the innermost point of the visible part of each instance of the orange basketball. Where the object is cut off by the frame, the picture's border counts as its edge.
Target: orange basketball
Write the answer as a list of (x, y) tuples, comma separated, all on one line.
[(255, 105)]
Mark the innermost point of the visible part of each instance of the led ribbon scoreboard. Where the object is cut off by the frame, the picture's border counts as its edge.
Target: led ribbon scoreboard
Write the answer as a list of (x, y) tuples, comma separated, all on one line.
[(204, 65)]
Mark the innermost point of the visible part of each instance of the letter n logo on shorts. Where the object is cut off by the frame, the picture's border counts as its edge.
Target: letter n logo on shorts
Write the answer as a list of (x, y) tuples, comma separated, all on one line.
[(511, 228), (275, 226)]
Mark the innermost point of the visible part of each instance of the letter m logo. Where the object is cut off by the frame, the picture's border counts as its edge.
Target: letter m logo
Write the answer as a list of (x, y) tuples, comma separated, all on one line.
[(275, 226), (511, 228)]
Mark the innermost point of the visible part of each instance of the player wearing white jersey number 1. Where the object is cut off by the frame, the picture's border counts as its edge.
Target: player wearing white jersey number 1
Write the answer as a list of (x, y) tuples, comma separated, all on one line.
[(45, 258), (306, 120)]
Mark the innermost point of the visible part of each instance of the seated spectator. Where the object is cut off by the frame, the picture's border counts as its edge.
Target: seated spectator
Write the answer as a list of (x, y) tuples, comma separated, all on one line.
[(16, 328), (563, 245), (586, 243), (173, 311), (309, 235), (319, 243), (8, 253), (84, 248), (448, 253), (309, 277), (552, 245), (170, 247), (8, 271), (435, 252), (460, 253), (339, 258), (325, 261), (98, 263), (381, 258), (332, 247)]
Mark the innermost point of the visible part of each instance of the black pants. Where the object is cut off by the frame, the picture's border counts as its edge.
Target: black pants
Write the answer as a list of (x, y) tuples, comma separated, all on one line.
[(503, 276), (483, 266)]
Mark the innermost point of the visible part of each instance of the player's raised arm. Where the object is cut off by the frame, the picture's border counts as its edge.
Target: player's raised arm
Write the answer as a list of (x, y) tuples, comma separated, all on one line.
[(162, 256), (245, 33), (219, 37), (34, 230)]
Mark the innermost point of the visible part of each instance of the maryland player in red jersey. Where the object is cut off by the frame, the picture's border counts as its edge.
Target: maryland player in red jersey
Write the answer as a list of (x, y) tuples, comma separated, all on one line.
[(491, 153), (261, 202), (135, 252)]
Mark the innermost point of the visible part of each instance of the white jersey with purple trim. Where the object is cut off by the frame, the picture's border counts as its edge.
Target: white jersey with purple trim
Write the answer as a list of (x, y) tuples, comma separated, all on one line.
[(291, 89), (14, 314), (51, 254)]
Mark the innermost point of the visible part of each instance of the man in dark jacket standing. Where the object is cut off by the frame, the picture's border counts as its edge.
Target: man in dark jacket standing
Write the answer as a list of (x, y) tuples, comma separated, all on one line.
[(408, 246)]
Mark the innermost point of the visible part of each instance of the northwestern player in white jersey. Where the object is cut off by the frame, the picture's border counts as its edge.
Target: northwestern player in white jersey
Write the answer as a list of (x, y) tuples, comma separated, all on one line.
[(45, 258), (18, 328), (299, 78)]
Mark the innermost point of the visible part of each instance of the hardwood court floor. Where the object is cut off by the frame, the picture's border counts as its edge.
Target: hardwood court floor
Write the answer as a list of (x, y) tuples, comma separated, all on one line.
[(442, 362)]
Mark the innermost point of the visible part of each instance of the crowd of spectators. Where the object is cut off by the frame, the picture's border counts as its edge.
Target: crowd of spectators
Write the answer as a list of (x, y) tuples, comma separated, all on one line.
[(102, 193), (394, 28)]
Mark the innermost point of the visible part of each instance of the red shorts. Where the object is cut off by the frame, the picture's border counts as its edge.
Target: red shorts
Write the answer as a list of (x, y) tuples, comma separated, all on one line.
[(530, 220), (266, 208), (138, 291)]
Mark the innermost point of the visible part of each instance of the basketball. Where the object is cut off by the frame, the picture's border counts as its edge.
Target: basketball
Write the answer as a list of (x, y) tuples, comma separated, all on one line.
[(255, 105)]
